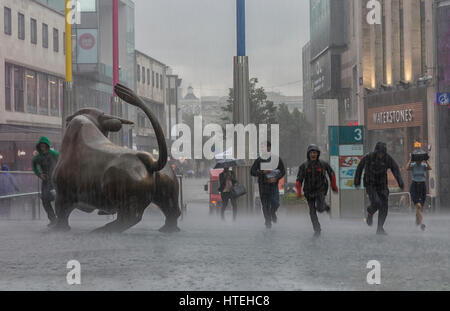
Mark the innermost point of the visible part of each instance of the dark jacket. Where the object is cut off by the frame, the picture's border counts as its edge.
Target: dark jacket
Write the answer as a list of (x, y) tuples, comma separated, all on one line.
[(376, 169), (222, 181), (8, 183), (257, 172), (312, 174), (45, 163)]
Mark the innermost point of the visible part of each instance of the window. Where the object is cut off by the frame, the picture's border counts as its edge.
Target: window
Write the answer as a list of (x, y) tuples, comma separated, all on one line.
[(61, 93), (88, 5), (43, 94), (153, 78), (33, 31), (31, 81), (161, 81), (7, 21), (148, 76), (143, 75), (21, 26), (138, 75), (8, 69), (54, 98), (19, 77), (55, 40), (157, 80), (45, 36)]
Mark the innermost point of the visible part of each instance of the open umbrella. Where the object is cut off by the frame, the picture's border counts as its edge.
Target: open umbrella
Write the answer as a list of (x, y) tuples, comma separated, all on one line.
[(229, 163)]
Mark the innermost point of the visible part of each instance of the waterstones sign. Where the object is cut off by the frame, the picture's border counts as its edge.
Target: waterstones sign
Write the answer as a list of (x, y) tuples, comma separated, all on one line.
[(399, 116), (396, 116)]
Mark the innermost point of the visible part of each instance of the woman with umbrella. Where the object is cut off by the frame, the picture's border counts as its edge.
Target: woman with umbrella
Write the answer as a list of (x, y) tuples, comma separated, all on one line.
[(227, 180)]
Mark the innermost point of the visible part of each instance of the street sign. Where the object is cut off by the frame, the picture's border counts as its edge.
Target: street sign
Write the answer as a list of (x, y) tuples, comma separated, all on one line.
[(351, 135), (443, 99)]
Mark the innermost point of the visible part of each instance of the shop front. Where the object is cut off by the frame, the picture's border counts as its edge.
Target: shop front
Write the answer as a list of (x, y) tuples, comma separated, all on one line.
[(400, 127)]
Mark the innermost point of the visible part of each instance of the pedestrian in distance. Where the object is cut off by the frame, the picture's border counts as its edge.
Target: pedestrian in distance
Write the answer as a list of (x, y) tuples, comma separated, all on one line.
[(312, 176), (8, 185), (268, 186), (43, 165), (375, 166), (418, 188), (227, 180)]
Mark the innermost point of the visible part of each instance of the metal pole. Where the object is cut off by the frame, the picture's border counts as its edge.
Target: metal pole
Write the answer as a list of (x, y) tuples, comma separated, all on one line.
[(69, 105), (241, 107), (116, 108)]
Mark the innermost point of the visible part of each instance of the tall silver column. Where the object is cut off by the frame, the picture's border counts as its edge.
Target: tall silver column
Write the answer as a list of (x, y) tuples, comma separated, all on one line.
[(241, 115)]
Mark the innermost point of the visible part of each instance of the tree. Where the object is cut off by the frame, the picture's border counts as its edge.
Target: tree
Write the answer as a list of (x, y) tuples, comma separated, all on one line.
[(295, 135), (262, 111)]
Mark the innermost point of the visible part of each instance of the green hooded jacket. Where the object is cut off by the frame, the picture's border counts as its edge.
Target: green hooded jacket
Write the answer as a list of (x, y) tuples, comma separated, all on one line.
[(45, 163)]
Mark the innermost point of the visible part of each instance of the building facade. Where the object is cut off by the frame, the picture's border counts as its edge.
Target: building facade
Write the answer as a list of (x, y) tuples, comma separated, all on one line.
[(151, 86), (382, 75), (32, 70)]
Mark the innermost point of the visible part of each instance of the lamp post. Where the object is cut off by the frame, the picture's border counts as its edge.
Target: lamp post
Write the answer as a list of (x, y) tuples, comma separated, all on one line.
[(116, 105), (241, 107), (69, 104)]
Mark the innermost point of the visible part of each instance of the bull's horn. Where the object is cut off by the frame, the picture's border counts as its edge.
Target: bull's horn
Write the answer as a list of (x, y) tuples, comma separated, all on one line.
[(123, 121)]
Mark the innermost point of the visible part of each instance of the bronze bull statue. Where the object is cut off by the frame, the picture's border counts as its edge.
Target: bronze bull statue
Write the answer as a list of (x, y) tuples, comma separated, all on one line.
[(94, 174)]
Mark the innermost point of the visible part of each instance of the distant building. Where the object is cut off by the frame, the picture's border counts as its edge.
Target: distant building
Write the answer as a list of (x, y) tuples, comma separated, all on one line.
[(151, 86), (92, 57), (212, 109), (190, 103), (32, 69), (292, 102)]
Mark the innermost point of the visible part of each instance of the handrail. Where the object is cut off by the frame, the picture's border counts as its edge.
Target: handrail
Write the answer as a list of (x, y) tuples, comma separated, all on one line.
[(11, 196)]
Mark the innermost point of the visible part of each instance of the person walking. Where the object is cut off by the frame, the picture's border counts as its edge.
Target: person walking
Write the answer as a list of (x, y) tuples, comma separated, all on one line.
[(268, 186), (312, 175), (375, 166), (227, 180), (43, 165), (8, 185), (418, 188)]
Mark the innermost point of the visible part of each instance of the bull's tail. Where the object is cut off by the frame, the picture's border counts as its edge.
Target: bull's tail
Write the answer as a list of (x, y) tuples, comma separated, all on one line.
[(130, 97)]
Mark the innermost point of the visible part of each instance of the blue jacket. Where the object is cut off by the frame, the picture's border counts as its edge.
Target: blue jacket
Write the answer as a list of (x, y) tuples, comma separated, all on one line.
[(7, 182)]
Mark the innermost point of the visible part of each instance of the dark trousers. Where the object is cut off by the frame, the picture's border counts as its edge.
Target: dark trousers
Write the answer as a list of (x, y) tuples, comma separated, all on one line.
[(379, 197), (47, 199), (226, 196), (316, 204), (270, 201)]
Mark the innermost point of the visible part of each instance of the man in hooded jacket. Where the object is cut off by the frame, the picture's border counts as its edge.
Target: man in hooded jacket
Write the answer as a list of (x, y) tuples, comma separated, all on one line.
[(312, 175), (43, 165), (375, 166), (268, 187)]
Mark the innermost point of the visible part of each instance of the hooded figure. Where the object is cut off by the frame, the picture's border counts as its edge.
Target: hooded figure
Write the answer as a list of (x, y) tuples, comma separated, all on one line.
[(268, 187), (312, 175), (43, 165), (375, 166)]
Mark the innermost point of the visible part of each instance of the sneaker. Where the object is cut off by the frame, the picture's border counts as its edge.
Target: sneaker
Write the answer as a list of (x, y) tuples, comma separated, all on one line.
[(422, 226), (381, 232), (369, 219), (52, 224), (274, 218)]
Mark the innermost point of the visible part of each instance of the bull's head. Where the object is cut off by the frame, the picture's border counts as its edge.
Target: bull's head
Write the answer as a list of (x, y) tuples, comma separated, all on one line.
[(105, 123)]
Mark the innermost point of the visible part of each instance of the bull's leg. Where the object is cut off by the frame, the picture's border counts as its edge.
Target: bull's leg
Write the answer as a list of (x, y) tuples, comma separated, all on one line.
[(127, 217), (63, 209), (172, 211)]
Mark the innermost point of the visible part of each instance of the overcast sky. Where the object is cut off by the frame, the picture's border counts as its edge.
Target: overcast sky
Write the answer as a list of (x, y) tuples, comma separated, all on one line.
[(197, 39)]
